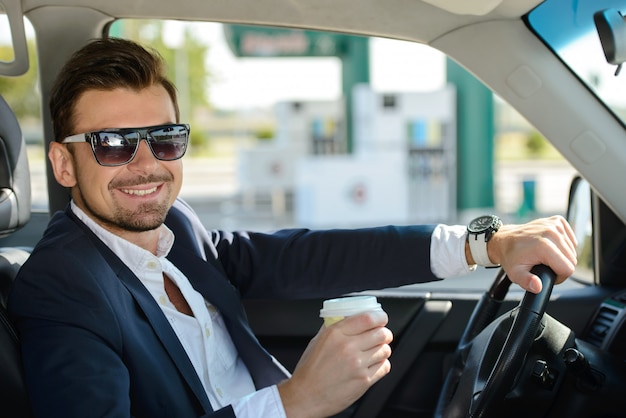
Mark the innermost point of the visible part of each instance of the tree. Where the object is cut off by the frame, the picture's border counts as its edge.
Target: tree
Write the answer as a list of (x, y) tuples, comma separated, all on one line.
[(22, 92), (186, 62), (185, 65), (535, 143)]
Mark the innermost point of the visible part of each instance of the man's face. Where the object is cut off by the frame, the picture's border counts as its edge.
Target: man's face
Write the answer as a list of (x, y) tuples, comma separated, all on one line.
[(131, 198)]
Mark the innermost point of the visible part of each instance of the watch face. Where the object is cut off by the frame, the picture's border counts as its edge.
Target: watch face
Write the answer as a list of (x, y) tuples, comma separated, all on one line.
[(481, 223)]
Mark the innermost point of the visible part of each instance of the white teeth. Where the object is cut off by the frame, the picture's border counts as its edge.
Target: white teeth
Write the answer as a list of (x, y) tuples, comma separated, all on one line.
[(139, 192)]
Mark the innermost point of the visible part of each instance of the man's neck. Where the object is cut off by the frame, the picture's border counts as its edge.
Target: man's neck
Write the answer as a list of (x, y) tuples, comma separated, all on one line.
[(148, 240)]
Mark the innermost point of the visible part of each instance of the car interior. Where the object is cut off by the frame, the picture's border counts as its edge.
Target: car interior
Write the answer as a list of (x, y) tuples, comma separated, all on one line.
[(458, 351), (15, 209)]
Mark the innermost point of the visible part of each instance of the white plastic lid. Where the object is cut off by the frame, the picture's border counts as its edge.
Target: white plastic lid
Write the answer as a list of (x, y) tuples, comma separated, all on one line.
[(349, 306)]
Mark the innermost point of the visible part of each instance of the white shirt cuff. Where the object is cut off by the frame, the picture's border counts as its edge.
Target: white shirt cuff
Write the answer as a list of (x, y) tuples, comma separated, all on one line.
[(447, 251), (262, 403)]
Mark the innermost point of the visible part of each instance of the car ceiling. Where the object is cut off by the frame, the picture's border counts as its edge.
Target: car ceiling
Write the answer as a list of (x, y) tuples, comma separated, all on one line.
[(387, 18)]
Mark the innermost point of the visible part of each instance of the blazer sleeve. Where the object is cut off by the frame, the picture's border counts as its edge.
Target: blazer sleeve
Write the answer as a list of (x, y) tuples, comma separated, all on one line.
[(303, 263)]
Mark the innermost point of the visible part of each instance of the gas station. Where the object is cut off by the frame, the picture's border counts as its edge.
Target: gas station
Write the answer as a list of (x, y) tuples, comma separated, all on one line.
[(323, 151)]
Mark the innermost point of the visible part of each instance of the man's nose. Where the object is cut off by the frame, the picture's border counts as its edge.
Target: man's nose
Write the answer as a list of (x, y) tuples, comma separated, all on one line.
[(143, 157)]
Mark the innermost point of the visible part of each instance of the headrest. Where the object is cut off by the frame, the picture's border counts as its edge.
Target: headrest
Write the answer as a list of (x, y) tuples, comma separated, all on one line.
[(14, 173)]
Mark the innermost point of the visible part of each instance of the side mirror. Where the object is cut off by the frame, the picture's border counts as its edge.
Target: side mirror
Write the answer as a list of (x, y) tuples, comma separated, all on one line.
[(580, 217), (611, 29)]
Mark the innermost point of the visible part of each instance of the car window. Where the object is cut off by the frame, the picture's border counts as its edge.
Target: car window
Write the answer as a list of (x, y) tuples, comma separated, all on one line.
[(270, 147), (568, 28), (269, 135)]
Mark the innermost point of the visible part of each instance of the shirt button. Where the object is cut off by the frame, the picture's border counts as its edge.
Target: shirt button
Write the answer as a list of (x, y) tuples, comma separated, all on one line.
[(162, 300), (207, 332), (152, 265), (218, 391)]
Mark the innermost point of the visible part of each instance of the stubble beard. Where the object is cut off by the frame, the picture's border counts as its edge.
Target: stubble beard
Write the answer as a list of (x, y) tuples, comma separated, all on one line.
[(146, 217)]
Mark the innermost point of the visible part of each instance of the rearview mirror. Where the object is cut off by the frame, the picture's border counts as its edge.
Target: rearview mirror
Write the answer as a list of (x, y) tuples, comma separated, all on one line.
[(611, 29)]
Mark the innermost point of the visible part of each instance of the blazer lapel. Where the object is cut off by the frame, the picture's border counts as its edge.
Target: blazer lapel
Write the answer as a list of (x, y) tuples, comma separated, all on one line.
[(208, 278), (153, 312), (215, 288)]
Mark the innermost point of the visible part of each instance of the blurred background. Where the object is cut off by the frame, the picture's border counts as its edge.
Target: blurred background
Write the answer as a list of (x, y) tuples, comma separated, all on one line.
[(299, 128)]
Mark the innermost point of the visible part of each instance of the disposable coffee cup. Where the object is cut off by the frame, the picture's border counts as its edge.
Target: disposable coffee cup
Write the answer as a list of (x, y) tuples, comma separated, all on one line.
[(334, 310)]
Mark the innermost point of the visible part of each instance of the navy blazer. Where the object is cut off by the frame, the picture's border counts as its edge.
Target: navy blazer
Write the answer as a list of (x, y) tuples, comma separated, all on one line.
[(96, 343)]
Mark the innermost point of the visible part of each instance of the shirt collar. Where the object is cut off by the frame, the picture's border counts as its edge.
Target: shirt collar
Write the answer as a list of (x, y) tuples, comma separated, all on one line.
[(132, 255)]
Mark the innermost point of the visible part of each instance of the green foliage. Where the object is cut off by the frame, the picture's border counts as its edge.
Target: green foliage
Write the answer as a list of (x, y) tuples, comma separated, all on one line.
[(186, 67), (265, 133), (198, 139), (535, 143), (186, 64), (22, 93)]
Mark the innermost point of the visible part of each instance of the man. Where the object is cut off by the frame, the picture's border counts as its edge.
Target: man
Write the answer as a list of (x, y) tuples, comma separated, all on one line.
[(128, 307)]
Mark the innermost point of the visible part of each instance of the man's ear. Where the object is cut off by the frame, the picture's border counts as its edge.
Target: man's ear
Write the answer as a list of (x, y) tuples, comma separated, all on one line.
[(62, 162)]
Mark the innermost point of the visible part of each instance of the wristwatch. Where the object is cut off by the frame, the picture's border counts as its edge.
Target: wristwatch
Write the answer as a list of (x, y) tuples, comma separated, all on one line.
[(479, 232)]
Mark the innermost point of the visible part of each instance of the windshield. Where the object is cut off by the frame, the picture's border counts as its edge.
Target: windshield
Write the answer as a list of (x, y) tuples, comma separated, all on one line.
[(567, 26)]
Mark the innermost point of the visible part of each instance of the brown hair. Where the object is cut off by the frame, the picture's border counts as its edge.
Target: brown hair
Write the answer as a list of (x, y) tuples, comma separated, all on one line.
[(104, 64)]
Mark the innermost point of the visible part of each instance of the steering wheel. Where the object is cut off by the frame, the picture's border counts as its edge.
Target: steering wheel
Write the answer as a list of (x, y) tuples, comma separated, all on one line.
[(478, 380)]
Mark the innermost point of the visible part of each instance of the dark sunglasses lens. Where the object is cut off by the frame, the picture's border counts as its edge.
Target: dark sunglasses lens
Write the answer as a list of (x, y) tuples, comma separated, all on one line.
[(169, 142), (111, 148)]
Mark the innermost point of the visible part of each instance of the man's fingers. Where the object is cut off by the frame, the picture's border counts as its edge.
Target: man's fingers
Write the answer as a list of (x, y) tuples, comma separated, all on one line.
[(377, 355), (570, 233), (526, 281), (379, 370), (360, 323)]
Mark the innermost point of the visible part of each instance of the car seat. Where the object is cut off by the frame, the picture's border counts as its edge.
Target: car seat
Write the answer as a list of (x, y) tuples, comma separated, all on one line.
[(14, 213)]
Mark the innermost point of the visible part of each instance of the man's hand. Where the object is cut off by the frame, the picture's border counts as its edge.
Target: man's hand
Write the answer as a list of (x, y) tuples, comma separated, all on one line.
[(548, 241), (338, 366)]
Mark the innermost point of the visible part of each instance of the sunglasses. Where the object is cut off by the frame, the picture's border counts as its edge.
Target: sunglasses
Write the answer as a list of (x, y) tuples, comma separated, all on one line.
[(114, 147)]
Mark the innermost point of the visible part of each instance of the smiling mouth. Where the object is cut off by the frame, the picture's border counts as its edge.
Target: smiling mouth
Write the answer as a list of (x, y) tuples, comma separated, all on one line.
[(142, 192)]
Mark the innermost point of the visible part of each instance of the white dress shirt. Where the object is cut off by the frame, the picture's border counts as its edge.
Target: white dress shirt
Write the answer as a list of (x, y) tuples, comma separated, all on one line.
[(204, 336)]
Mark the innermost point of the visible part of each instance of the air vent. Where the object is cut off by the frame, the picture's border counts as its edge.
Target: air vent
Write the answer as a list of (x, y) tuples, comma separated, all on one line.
[(602, 324)]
